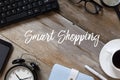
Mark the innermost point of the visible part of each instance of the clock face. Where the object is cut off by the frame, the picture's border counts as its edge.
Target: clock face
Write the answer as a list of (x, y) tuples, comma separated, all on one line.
[(19, 73)]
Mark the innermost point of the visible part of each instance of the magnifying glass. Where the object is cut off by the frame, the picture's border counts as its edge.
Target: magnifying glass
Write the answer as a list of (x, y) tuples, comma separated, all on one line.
[(112, 4)]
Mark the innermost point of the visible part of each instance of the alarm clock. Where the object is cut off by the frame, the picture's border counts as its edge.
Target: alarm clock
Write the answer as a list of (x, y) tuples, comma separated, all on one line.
[(22, 70)]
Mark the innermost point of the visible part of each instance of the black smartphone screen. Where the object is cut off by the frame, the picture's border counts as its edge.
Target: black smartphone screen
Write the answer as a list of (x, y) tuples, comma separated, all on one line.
[(5, 51)]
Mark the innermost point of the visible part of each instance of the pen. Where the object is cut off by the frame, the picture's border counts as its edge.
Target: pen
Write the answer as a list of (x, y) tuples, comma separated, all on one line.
[(95, 72)]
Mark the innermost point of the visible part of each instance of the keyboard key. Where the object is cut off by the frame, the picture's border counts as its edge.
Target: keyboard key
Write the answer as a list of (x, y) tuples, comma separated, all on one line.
[(14, 5), (55, 5), (9, 7), (36, 10), (46, 1), (14, 11), (25, 2), (30, 12), (29, 6), (24, 8), (35, 4), (48, 7), (3, 15), (43, 9), (9, 13), (2, 21), (20, 3), (6, 2), (19, 10), (1, 3), (40, 3)]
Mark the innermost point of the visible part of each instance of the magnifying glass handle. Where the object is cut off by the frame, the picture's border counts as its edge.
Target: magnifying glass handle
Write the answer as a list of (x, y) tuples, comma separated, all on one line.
[(117, 11)]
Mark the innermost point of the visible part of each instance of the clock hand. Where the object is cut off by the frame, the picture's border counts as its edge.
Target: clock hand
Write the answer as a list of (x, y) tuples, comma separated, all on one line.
[(27, 78), (17, 76)]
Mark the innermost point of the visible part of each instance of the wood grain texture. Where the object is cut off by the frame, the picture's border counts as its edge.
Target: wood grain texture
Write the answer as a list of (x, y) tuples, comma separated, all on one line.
[(106, 24), (49, 53), (70, 17)]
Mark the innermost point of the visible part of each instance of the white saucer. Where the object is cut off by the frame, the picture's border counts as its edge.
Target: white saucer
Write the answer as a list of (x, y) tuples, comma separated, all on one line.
[(105, 58)]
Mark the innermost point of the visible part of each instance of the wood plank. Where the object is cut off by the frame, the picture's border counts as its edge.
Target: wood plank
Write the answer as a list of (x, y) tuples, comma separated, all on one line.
[(67, 54), (18, 51), (107, 24)]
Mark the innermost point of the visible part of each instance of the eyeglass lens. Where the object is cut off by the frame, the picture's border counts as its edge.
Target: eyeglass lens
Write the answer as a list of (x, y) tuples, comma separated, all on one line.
[(90, 7)]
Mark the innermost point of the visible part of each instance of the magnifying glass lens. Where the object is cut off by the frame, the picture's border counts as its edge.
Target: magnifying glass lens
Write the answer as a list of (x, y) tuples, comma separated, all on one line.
[(111, 2)]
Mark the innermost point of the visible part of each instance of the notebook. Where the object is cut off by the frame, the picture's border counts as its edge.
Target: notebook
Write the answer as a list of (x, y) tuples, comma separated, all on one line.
[(60, 72)]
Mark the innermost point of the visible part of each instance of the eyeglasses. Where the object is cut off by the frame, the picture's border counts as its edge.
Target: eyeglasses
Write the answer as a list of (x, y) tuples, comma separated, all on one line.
[(89, 5)]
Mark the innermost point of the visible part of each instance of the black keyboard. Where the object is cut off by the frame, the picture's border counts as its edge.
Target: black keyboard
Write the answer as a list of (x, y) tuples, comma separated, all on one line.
[(16, 10)]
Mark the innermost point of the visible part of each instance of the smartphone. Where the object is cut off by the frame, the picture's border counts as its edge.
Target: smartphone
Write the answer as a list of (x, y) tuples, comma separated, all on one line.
[(6, 49)]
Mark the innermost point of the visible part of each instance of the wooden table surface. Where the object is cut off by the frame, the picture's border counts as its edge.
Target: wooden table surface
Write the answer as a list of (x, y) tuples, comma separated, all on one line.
[(72, 18)]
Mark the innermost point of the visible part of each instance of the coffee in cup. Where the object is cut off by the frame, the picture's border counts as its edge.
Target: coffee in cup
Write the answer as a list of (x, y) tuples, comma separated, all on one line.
[(116, 60)]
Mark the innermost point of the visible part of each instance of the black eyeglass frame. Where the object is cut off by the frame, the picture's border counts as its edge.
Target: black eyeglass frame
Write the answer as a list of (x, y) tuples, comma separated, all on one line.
[(97, 6)]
